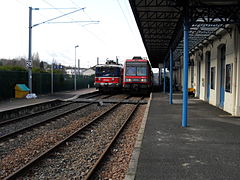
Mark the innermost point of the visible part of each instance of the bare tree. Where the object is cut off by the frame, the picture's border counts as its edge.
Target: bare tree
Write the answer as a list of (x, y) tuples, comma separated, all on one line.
[(36, 60)]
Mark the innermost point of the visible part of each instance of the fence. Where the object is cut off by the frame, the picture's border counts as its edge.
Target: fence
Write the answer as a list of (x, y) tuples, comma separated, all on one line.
[(41, 82)]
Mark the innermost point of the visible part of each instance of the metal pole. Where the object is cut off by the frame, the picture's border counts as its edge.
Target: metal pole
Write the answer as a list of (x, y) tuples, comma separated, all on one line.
[(52, 79), (164, 76), (185, 82), (171, 74), (29, 63), (78, 66), (75, 78), (97, 60), (75, 75)]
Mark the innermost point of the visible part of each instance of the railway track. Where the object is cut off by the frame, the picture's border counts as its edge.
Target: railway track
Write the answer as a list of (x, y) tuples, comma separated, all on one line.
[(86, 132), (51, 105), (91, 172), (25, 124)]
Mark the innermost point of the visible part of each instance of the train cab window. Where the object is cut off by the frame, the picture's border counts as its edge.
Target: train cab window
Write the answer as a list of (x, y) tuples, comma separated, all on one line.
[(136, 71), (141, 71), (108, 72), (131, 71)]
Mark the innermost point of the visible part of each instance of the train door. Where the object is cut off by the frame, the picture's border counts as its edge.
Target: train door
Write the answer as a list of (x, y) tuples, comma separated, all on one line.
[(208, 57), (222, 75)]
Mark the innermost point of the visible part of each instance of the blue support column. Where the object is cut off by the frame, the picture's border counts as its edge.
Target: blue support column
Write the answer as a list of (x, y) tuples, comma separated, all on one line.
[(171, 77), (185, 66), (164, 76), (160, 78)]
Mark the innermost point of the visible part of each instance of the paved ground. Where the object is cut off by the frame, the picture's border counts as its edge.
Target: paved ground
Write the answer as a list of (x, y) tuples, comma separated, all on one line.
[(13, 103), (208, 149)]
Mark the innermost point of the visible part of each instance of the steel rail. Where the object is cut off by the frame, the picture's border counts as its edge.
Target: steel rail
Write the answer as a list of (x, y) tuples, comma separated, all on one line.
[(31, 115), (42, 111), (11, 134), (32, 105), (90, 173), (27, 166)]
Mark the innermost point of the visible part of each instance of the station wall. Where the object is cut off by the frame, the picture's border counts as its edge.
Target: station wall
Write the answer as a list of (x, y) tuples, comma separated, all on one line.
[(221, 80)]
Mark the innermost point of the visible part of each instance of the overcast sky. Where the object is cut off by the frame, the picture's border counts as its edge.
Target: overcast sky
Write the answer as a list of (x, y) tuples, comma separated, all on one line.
[(115, 35)]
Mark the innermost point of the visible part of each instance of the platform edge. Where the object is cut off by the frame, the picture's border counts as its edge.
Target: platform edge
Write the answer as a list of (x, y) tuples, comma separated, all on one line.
[(132, 168)]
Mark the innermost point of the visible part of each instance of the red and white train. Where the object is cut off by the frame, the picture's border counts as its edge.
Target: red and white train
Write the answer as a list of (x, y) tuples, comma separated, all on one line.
[(138, 75), (108, 76), (135, 76)]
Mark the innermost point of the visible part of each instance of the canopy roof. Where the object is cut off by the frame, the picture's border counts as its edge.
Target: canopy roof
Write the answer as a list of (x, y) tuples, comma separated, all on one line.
[(160, 23)]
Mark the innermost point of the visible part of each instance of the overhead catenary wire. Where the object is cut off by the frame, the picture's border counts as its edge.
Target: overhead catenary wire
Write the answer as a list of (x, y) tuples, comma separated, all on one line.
[(64, 22), (23, 4), (27, 6), (83, 26), (127, 22), (100, 28), (57, 8), (132, 20), (88, 24), (73, 20), (58, 17)]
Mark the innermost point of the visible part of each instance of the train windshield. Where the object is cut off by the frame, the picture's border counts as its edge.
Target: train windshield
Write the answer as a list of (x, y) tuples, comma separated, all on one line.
[(108, 72), (136, 71)]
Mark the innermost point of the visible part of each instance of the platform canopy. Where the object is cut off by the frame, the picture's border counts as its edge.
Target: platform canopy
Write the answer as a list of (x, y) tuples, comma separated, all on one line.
[(160, 23)]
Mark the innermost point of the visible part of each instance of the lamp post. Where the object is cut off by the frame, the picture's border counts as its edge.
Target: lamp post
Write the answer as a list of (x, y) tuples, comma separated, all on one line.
[(75, 76)]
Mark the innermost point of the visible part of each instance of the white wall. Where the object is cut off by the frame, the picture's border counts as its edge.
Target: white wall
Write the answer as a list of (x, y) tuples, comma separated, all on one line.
[(231, 99)]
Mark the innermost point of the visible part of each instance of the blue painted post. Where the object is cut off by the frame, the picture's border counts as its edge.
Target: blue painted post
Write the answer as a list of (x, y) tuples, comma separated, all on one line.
[(164, 76), (185, 66), (160, 77), (171, 77)]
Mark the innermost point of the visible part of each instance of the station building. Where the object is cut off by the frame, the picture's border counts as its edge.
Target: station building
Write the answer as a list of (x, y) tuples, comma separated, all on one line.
[(214, 70)]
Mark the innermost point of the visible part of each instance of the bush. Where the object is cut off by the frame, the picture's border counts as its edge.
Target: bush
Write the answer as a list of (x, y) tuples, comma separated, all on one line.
[(12, 68), (38, 70)]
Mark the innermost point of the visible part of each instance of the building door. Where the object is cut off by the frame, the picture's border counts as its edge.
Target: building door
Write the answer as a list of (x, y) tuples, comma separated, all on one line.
[(199, 78), (192, 76), (222, 74), (208, 75)]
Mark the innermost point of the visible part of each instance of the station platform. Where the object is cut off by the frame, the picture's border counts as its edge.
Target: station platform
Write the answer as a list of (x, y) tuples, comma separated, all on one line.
[(15, 103), (209, 148)]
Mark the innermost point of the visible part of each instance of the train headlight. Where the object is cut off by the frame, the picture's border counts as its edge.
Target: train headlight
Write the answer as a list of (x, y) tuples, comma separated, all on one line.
[(143, 80), (128, 80)]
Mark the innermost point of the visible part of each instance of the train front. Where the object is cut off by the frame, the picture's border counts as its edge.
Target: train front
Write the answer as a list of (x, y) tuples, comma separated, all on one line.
[(108, 77), (137, 75)]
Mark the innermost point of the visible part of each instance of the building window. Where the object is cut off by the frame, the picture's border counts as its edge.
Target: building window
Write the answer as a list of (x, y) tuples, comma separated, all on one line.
[(212, 77), (228, 83)]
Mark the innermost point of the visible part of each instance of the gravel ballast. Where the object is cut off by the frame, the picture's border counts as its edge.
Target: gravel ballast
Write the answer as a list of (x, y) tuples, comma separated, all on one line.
[(115, 164), (22, 149), (76, 158)]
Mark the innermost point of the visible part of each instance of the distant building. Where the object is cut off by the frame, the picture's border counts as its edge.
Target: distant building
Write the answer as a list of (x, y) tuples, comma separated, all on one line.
[(70, 71), (80, 71), (88, 72)]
